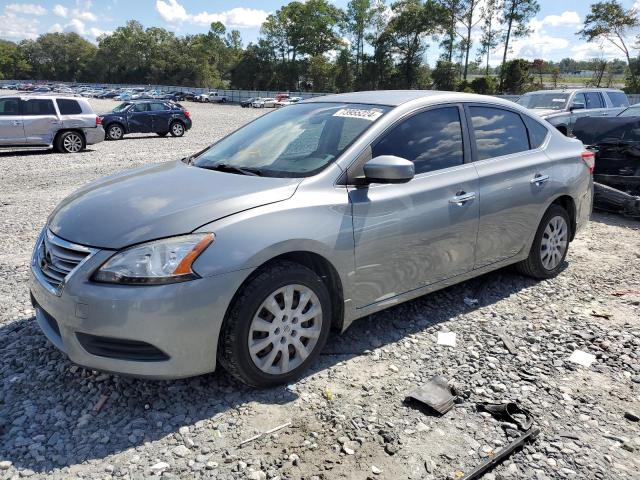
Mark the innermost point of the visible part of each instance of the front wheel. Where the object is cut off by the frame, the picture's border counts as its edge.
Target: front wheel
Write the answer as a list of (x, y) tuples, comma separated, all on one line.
[(276, 327), (550, 245), (115, 132), (176, 129)]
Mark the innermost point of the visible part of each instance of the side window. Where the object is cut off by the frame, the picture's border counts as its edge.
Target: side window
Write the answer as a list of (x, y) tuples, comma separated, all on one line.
[(68, 107), (537, 132), (158, 107), (579, 99), (498, 132), (9, 106), (432, 140), (594, 100), (38, 106), (618, 99), (141, 107)]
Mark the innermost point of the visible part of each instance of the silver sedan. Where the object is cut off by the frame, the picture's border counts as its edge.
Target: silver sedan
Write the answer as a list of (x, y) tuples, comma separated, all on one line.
[(306, 219)]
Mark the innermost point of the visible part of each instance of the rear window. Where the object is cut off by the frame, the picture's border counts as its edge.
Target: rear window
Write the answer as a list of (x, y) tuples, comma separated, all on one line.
[(618, 99), (68, 107), (38, 106)]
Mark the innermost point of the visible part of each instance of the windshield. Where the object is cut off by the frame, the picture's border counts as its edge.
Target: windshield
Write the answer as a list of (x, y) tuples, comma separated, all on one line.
[(297, 141), (630, 112), (121, 108), (546, 101)]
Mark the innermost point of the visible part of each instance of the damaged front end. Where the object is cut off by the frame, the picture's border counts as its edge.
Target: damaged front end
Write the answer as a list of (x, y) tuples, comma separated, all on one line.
[(616, 144)]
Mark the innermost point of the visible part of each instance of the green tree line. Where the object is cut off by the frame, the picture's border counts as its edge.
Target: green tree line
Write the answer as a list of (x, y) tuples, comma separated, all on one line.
[(314, 45)]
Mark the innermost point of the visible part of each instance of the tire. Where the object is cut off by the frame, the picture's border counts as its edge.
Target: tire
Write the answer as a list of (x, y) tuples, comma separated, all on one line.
[(162, 134), (248, 316), (224, 100), (115, 131), (176, 129), (540, 264), (70, 142)]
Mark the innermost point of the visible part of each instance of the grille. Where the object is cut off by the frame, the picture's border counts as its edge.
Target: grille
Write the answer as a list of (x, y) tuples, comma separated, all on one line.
[(56, 259), (121, 349)]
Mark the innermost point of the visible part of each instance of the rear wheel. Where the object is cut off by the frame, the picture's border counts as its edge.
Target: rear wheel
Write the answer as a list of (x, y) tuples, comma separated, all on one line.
[(276, 326), (115, 132), (70, 142), (550, 245), (176, 129)]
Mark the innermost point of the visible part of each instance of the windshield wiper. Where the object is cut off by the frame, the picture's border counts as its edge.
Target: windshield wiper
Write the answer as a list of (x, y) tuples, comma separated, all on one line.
[(224, 167)]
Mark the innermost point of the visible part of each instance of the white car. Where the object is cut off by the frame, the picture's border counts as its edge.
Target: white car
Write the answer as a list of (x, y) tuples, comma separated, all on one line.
[(287, 101), (264, 103), (211, 97)]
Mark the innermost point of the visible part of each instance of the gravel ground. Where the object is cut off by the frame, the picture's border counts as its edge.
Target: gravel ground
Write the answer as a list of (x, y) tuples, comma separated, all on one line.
[(348, 418)]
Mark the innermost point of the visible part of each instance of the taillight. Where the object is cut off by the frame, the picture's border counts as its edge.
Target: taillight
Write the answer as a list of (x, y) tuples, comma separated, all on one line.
[(98, 121), (187, 114), (589, 158)]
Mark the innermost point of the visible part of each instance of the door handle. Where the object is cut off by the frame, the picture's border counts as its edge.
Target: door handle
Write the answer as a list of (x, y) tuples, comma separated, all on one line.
[(17, 122), (539, 179), (461, 198)]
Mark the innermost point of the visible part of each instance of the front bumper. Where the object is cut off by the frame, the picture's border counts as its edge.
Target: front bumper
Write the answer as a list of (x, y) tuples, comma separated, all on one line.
[(93, 135), (181, 320)]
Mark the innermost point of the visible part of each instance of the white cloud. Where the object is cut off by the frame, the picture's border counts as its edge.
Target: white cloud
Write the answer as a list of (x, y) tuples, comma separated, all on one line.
[(82, 12), (96, 32), (56, 28), (25, 9), (18, 28), (565, 19), (60, 11), (173, 12), (588, 51), (75, 25)]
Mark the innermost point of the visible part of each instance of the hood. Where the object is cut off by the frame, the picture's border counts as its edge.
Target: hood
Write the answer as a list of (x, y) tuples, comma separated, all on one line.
[(545, 112), (159, 201)]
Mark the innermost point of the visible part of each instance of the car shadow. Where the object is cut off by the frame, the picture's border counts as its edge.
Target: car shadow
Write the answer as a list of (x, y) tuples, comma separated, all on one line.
[(43, 151), (48, 414), (615, 220)]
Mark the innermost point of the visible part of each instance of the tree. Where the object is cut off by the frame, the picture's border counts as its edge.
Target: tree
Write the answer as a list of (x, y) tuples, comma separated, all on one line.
[(444, 75), (610, 21), (451, 12), (538, 66), (483, 85), (357, 19), (469, 21), (412, 22), (343, 75), (489, 38), (516, 76), (516, 15)]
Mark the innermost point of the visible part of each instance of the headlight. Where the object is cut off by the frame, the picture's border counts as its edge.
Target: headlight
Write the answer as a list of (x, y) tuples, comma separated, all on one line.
[(158, 262)]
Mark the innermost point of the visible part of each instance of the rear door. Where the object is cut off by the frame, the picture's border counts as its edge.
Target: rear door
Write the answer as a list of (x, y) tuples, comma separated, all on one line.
[(414, 234), (595, 104), (514, 176), (160, 116), (11, 128), (41, 120), (139, 118)]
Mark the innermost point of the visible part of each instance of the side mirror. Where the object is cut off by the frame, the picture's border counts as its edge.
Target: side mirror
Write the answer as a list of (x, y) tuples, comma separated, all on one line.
[(388, 169), (577, 106)]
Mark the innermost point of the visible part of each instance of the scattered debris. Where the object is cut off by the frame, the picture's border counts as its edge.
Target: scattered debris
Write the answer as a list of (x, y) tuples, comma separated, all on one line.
[(470, 302), (436, 393), (268, 432), (500, 455), (508, 343), (159, 467), (582, 358), (100, 403), (447, 339), (327, 394), (621, 293), (508, 412), (600, 314), (633, 416), (375, 470)]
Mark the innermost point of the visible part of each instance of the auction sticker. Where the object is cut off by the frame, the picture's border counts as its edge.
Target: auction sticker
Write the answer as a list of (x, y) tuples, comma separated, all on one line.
[(370, 115)]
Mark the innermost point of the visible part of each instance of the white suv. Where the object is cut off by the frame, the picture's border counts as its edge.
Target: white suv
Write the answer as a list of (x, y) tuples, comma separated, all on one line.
[(67, 124)]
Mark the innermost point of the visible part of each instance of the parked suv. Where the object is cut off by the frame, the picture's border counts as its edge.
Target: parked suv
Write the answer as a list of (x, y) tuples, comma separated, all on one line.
[(67, 124), (146, 116), (306, 219), (562, 108)]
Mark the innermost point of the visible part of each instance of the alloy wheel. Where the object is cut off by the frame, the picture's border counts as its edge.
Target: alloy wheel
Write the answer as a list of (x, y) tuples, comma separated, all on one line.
[(554, 242), (115, 132), (285, 329), (72, 143), (177, 129)]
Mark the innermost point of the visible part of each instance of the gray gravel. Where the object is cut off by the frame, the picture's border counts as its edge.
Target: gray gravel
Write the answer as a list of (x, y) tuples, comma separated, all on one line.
[(348, 419)]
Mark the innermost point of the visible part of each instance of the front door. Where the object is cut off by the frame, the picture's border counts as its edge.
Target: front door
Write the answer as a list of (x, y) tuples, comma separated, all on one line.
[(411, 235), (41, 121), (515, 180), (11, 129), (139, 118)]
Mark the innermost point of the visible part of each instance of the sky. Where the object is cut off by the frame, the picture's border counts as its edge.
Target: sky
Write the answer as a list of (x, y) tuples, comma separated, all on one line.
[(553, 29)]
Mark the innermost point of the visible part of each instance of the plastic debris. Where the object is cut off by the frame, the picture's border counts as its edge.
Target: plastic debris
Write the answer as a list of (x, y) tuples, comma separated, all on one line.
[(447, 339), (260, 435), (436, 393), (582, 358)]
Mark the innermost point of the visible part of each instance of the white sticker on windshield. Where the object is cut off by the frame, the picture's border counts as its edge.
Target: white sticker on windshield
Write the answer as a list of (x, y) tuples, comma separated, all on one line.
[(370, 115), (560, 100)]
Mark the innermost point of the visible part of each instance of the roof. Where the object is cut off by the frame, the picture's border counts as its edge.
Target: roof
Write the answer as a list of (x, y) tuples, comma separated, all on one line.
[(391, 98), (571, 90)]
